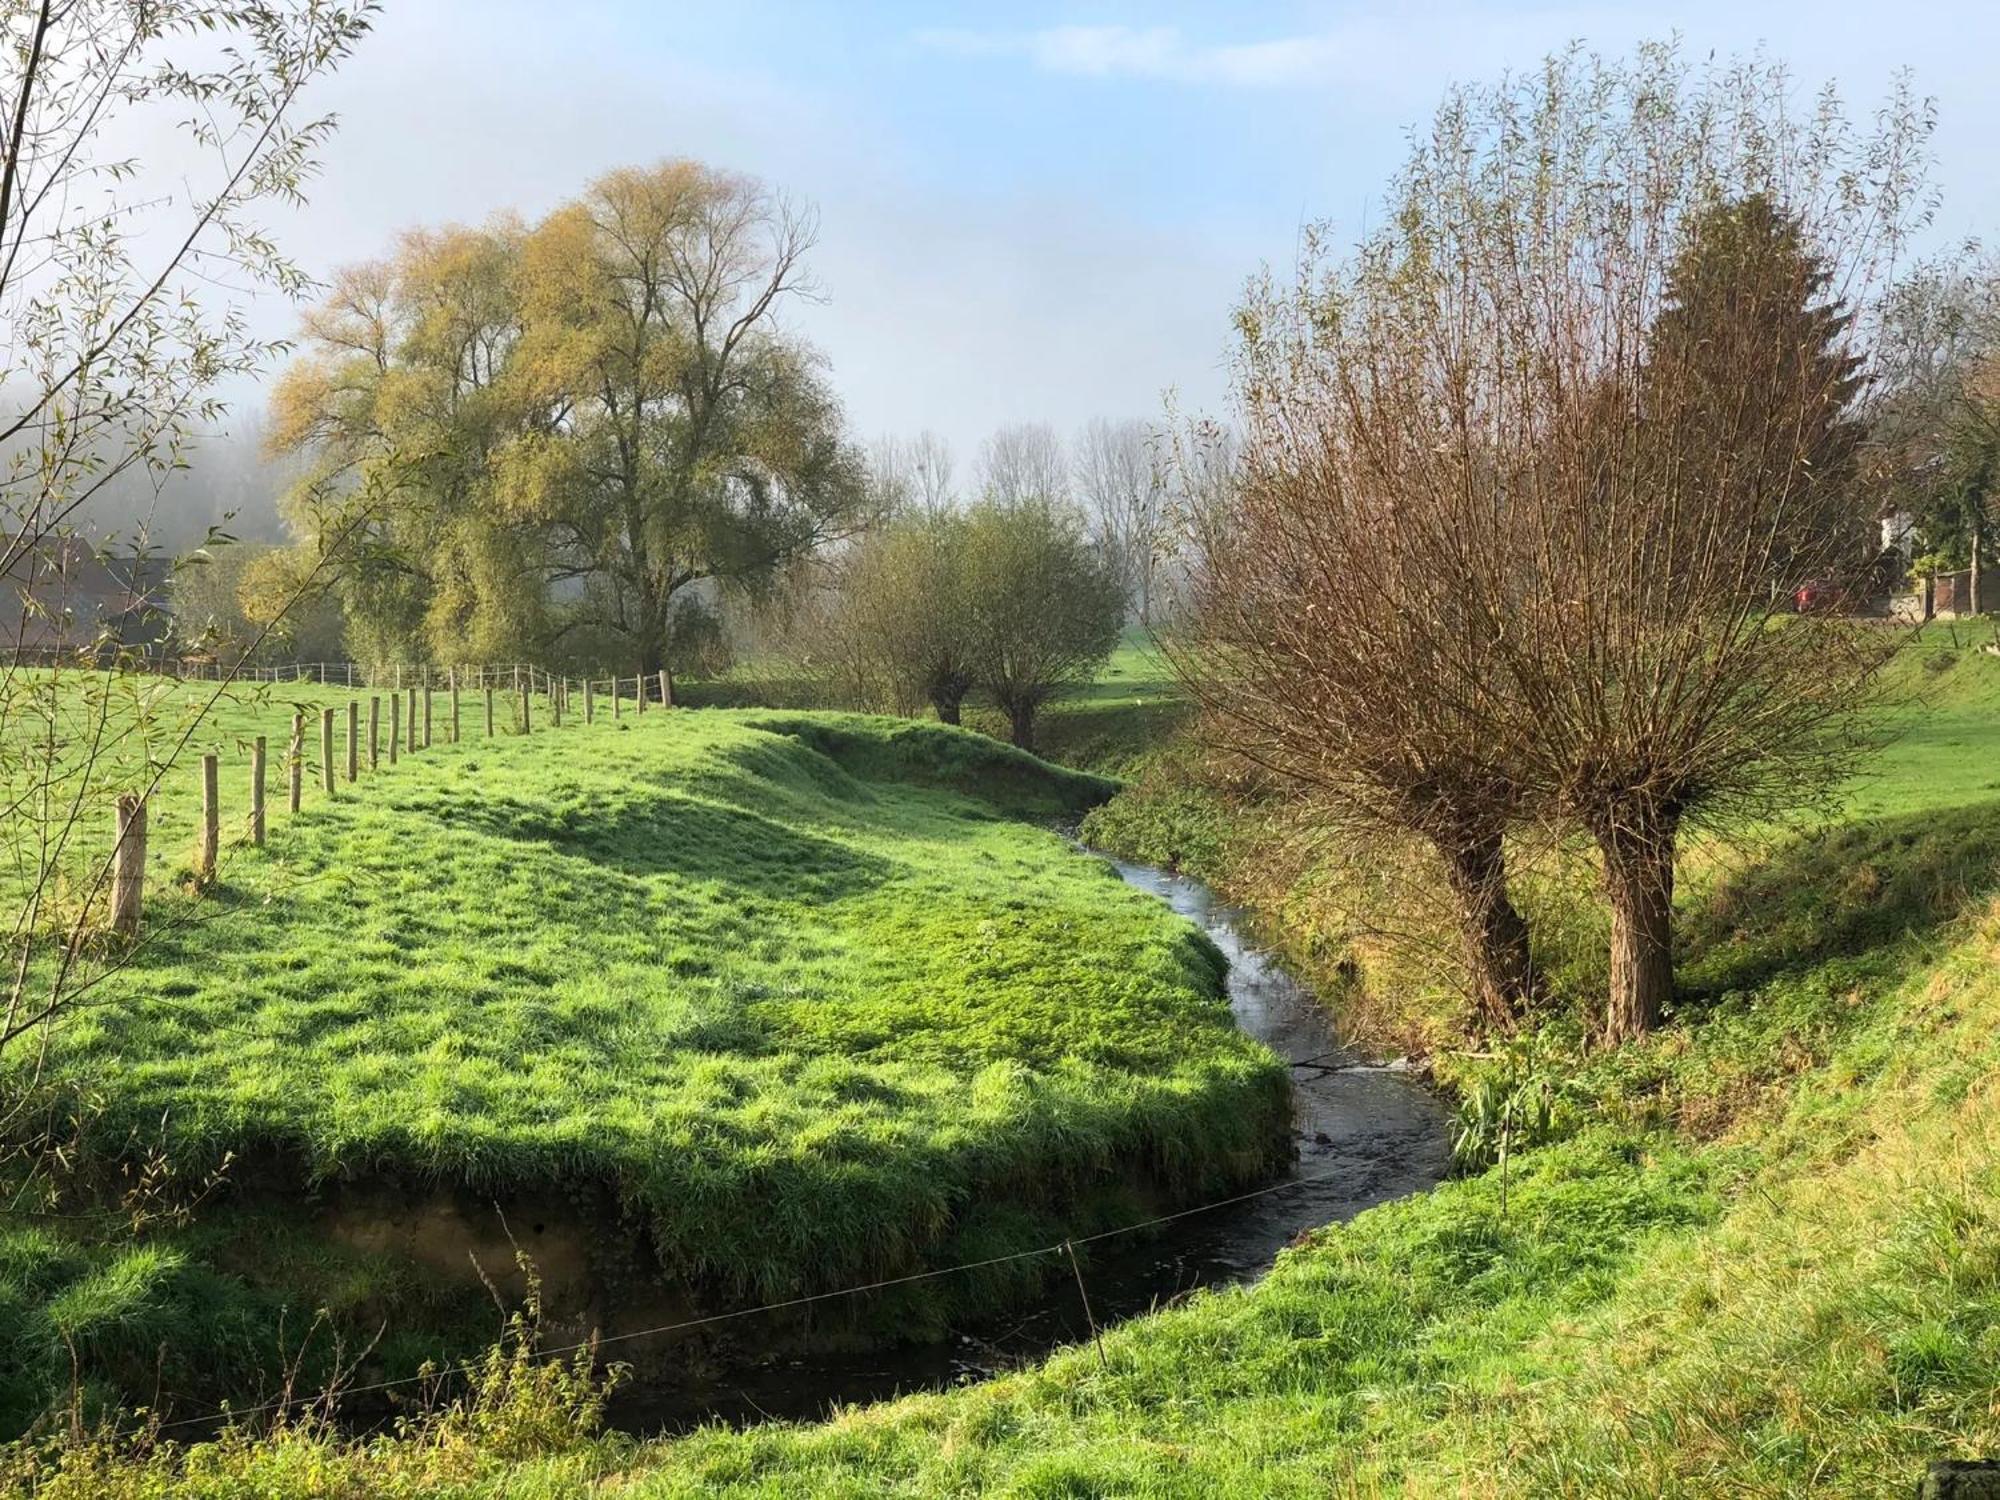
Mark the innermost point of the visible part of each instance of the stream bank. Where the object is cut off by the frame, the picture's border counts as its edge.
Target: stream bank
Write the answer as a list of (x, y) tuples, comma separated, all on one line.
[(1363, 1134)]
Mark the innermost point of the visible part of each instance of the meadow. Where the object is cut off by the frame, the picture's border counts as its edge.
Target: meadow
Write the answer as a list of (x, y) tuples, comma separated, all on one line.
[(1757, 1253), (789, 1001)]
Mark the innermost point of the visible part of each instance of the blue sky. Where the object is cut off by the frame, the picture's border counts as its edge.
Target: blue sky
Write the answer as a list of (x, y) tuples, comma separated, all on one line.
[(1029, 212)]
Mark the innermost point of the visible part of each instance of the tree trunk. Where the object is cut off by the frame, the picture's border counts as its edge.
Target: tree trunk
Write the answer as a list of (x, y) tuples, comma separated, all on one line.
[(1021, 722), (1494, 933), (947, 709), (1639, 881)]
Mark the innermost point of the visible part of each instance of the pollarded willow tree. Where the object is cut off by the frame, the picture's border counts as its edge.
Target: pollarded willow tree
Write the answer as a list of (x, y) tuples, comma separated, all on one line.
[(905, 616), (1323, 631), (1043, 602), (1665, 278), (1535, 473), (585, 417)]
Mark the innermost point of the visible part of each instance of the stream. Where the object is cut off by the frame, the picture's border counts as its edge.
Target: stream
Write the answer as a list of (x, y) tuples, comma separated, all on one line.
[(1365, 1134)]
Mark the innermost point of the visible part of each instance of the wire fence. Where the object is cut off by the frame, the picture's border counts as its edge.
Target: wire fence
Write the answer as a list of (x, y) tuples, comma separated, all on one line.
[(654, 687), (512, 699), (1064, 1247)]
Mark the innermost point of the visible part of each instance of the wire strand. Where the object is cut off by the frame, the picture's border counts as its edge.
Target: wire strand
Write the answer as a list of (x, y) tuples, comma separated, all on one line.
[(1057, 1248)]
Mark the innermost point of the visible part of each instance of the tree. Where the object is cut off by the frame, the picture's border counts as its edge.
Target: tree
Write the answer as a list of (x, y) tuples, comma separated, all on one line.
[(906, 612), (1322, 632), (587, 418), (913, 475), (402, 386), (686, 436), (1043, 606), (1933, 446), (1645, 386), (1024, 462), (1124, 492)]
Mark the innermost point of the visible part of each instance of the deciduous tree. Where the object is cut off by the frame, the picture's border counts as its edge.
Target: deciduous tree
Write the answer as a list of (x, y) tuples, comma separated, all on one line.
[(1044, 607)]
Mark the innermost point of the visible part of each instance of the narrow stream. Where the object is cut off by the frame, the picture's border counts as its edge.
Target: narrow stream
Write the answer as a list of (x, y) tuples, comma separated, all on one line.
[(1365, 1134)]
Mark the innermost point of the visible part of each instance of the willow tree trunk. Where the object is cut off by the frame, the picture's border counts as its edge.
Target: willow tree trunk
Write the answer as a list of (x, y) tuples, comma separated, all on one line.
[(1494, 934), (1638, 850), (947, 710), (1021, 725)]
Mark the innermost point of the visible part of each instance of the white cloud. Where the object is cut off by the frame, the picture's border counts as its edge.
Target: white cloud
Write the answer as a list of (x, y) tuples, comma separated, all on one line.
[(1161, 52)]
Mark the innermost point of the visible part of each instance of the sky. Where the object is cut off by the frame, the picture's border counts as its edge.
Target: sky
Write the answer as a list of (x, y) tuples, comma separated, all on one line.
[(1028, 213)]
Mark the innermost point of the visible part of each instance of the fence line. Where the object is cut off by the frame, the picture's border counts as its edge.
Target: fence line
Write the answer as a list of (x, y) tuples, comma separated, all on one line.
[(1062, 1247), (528, 682), (399, 676)]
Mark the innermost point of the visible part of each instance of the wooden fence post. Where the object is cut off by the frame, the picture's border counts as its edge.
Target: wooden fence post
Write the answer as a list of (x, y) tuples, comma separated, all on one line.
[(589, 707), (555, 704), (666, 689), (617, 703), (298, 758), (410, 724), (353, 740), (326, 749), (395, 726), (489, 712), (211, 824), (639, 682), (128, 865), (428, 695), (454, 705), (257, 792), (374, 731), (527, 714)]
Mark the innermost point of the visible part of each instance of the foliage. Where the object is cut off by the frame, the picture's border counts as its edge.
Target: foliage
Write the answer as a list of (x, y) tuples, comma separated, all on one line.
[(582, 419), (904, 618), (1045, 606)]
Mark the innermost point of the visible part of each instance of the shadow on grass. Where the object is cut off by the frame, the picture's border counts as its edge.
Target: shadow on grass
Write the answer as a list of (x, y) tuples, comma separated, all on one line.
[(1840, 894), (691, 839)]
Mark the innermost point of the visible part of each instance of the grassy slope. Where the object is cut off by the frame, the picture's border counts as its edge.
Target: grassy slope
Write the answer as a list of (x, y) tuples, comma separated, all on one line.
[(810, 1023), (138, 727), (1764, 1258)]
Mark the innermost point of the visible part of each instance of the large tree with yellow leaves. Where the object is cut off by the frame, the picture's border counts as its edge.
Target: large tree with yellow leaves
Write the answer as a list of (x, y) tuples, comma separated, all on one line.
[(577, 420)]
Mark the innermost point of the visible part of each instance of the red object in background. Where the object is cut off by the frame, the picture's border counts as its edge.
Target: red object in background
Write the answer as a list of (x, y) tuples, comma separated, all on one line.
[(1818, 596)]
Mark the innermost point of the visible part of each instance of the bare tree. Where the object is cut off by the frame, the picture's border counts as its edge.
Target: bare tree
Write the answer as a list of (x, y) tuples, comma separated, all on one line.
[(912, 474), (1024, 462), (1324, 637), (1125, 494), (1634, 295)]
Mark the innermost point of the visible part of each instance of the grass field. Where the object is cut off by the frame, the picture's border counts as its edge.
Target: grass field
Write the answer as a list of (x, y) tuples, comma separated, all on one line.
[(94, 735), (1757, 1254), (804, 997), (1110, 725)]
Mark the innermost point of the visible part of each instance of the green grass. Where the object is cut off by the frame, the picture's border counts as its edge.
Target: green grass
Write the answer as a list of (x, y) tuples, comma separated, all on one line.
[(802, 999), (1759, 1253), (102, 735)]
